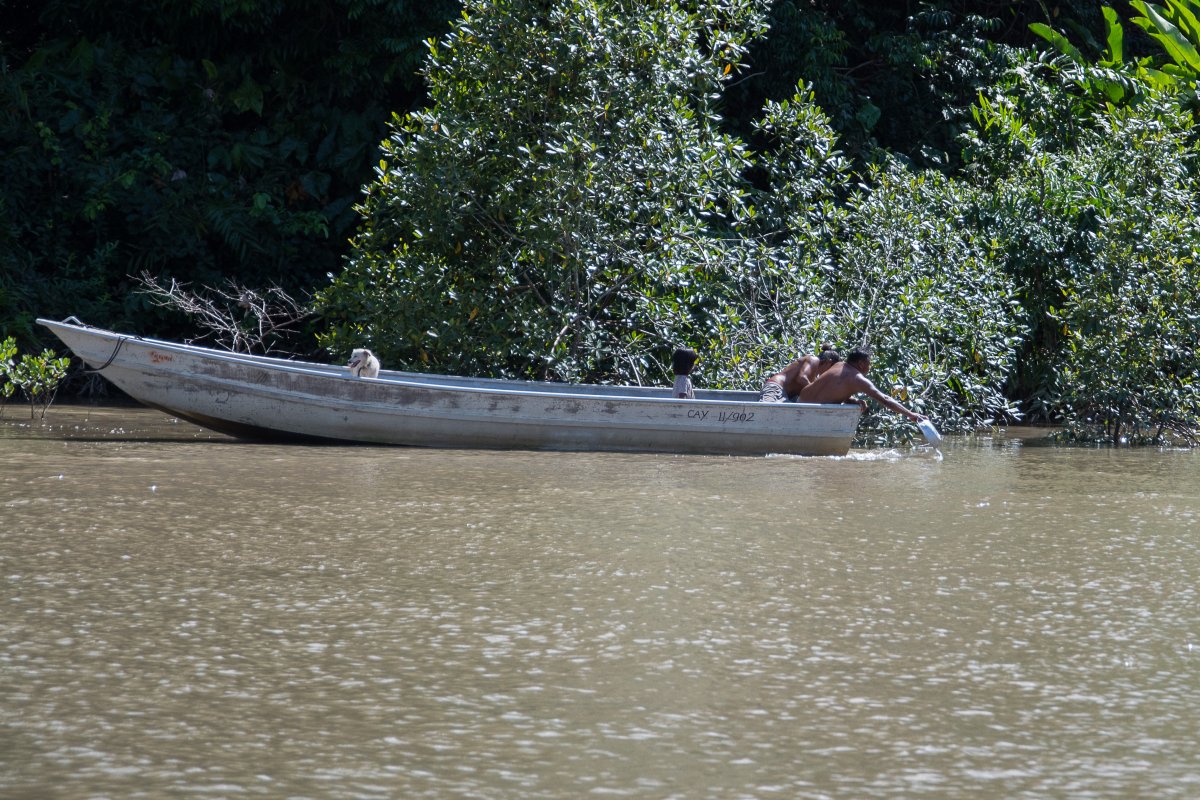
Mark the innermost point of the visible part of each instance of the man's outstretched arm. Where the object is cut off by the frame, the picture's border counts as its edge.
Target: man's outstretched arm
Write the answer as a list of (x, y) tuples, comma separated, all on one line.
[(890, 402)]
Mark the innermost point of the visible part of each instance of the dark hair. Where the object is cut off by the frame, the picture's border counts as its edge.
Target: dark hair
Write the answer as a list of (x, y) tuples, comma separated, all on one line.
[(829, 354), (859, 354), (682, 361)]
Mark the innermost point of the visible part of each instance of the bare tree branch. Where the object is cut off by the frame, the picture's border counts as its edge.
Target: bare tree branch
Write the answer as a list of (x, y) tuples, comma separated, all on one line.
[(236, 318)]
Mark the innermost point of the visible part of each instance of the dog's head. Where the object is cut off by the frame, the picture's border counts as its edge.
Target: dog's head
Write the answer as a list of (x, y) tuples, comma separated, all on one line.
[(359, 361)]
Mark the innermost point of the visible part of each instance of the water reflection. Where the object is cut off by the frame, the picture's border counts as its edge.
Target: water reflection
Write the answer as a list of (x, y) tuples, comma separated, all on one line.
[(186, 614)]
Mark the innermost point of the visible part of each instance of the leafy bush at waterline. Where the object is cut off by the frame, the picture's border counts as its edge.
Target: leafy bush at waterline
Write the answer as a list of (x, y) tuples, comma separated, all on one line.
[(1098, 215), (582, 219), (928, 293), (559, 208), (37, 377), (568, 206), (896, 266)]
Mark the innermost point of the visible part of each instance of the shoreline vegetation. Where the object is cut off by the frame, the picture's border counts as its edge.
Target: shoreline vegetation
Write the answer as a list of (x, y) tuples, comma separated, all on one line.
[(1005, 208), (35, 378)]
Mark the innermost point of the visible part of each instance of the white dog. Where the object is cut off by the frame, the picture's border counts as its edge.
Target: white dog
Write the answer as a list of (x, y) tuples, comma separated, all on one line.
[(363, 364)]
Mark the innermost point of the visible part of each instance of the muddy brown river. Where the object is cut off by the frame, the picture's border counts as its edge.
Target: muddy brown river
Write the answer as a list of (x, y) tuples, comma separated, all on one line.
[(186, 615)]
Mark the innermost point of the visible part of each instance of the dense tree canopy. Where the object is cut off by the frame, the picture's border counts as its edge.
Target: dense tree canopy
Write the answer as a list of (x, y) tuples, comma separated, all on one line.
[(549, 212), (997, 196), (581, 220), (196, 140)]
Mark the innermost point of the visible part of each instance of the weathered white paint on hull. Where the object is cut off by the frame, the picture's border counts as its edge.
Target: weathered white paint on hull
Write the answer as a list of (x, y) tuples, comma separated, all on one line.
[(257, 396)]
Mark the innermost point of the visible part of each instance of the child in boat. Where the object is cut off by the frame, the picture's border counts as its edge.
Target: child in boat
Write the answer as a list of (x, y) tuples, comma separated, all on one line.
[(682, 361)]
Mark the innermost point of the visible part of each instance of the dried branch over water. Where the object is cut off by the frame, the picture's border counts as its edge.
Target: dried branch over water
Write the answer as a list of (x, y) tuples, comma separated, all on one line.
[(235, 317)]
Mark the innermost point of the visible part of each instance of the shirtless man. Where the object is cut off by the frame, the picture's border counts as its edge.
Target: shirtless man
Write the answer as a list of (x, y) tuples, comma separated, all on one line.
[(785, 386), (847, 379)]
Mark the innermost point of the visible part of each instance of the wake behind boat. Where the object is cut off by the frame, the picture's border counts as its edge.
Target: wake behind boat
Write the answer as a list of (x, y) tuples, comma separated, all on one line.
[(260, 397)]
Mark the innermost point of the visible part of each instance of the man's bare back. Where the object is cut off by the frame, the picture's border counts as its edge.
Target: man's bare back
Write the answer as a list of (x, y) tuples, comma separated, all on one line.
[(796, 375), (786, 385), (844, 380), (839, 383)]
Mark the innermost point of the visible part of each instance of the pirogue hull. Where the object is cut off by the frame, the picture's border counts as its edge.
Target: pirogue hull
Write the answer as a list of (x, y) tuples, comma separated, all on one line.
[(270, 398)]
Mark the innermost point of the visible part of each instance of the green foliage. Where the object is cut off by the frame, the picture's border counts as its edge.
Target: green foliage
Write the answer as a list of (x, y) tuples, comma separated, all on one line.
[(896, 266), (919, 285), (37, 377), (1175, 27), (1129, 366), (1095, 211), (8, 354), (1117, 80), (803, 46), (557, 207), (592, 182), (898, 76), (192, 140), (580, 227), (772, 294)]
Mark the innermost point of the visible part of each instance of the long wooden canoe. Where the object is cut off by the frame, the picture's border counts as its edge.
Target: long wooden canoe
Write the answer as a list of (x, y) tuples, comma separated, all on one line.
[(260, 397)]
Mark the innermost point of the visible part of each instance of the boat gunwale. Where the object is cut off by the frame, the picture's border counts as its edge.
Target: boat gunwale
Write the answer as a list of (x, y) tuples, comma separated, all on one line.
[(335, 372)]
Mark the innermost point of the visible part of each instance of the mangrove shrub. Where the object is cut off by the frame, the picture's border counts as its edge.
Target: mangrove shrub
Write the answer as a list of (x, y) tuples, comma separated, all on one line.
[(1095, 209), (563, 203)]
